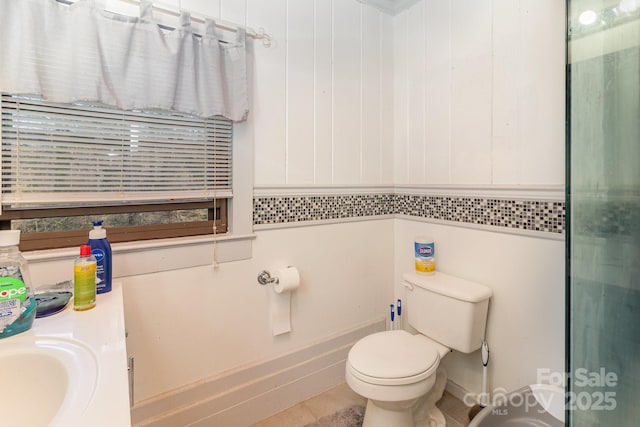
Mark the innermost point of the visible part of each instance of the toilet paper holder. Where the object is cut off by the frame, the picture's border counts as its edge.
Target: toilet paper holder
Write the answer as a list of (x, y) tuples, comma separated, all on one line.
[(264, 278)]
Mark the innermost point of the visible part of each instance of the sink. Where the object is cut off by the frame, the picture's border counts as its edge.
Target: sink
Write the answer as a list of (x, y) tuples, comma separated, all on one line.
[(47, 380), (69, 369)]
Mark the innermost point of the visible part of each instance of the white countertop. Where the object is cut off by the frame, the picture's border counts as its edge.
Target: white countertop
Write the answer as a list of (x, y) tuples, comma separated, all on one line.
[(102, 330)]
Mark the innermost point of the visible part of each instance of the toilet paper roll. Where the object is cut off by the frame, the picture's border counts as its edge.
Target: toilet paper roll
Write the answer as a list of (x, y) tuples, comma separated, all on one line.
[(288, 281)]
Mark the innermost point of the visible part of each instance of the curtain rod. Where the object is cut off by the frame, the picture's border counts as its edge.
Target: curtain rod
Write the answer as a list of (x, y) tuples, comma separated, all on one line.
[(229, 26)]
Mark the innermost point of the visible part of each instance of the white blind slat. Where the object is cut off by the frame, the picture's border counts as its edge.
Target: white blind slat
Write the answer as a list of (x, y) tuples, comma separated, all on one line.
[(59, 153)]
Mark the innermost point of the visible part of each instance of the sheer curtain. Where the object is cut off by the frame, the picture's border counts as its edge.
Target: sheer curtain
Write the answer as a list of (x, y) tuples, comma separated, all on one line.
[(81, 52)]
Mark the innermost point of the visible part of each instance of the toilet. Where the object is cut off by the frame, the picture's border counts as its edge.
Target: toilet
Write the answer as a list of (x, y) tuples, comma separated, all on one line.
[(398, 372)]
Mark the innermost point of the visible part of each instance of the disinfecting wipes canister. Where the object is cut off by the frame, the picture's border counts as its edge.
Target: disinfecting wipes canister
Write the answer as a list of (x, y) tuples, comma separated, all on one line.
[(425, 252)]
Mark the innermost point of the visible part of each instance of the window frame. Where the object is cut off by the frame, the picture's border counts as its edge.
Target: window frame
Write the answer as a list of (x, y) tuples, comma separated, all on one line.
[(216, 223)]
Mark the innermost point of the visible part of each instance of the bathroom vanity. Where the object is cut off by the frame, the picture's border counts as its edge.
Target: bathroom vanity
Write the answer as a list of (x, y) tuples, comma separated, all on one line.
[(69, 369)]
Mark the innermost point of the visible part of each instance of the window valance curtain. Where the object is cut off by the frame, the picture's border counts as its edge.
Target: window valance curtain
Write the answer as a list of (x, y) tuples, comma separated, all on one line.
[(81, 52)]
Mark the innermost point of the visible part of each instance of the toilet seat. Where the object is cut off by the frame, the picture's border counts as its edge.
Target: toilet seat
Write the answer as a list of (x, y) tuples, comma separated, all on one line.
[(393, 358)]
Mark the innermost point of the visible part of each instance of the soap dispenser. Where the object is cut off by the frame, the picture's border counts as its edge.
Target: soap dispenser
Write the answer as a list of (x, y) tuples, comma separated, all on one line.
[(17, 303)]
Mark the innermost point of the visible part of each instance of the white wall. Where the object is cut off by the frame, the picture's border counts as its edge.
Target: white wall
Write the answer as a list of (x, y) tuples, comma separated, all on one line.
[(323, 114), (323, 93), (479, 92), (479, 103), (187, 325)]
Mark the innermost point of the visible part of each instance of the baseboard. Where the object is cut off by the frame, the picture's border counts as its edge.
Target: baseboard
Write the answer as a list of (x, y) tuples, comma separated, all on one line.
[(459, 392), (255, 392)]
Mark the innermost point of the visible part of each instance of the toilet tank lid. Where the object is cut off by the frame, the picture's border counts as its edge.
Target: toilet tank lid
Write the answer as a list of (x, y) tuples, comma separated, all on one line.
[(450, 286)]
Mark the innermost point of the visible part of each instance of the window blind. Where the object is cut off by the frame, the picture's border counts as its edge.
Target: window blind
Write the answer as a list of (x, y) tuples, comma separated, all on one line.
[(65, 154)]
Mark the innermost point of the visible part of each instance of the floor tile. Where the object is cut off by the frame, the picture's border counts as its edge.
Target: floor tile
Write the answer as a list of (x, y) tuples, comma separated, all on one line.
[(333, 400), (296, 416), (454, 408), (341, 397)]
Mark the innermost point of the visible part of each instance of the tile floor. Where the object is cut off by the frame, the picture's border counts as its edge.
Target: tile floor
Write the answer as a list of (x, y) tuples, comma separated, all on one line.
[(341, 397)]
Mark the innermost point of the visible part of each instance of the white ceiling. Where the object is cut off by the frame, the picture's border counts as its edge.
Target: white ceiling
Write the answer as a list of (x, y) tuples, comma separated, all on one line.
[(392, 7)]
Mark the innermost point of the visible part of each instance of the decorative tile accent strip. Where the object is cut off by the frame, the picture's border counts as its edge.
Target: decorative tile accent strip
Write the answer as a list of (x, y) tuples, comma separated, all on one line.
[(533, 215), (284, 209)]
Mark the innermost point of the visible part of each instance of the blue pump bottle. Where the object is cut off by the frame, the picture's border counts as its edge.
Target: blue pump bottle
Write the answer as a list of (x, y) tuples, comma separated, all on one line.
[(101, 250)]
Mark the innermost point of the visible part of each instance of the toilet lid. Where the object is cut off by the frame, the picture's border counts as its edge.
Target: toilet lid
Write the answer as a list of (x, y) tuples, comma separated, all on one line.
[(393, 354)]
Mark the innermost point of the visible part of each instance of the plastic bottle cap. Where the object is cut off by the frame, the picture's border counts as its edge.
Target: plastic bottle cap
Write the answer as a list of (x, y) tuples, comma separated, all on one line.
[(97, 232), (424, 238), (9, 238), (85, 250)]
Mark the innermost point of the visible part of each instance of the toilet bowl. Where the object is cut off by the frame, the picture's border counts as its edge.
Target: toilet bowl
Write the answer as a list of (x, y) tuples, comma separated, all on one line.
[(398, 372)]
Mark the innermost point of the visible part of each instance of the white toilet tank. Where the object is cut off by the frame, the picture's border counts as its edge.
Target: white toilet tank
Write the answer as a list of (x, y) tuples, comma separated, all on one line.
[(448, 309)]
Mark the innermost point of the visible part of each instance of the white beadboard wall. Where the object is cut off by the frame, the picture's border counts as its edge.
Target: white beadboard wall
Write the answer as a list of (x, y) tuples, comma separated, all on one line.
[(479, 92), (461, 92), (323, 93)]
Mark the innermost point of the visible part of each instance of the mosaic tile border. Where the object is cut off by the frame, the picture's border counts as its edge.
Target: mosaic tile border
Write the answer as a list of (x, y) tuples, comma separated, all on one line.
[(530, 215), (286, 209)]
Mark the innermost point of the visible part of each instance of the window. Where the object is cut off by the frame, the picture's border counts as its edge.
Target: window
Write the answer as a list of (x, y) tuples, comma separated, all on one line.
[(148, 174)]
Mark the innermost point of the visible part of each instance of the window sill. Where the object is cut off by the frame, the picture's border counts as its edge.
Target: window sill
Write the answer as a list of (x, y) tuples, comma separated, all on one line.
[(150, 256)]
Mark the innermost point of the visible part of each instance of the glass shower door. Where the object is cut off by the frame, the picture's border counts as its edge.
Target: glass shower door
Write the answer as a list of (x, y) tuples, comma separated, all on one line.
[(603, 195)]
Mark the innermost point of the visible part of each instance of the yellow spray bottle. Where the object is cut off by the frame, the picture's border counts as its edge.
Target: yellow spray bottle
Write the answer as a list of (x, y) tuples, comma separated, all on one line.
[(84, 280)]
